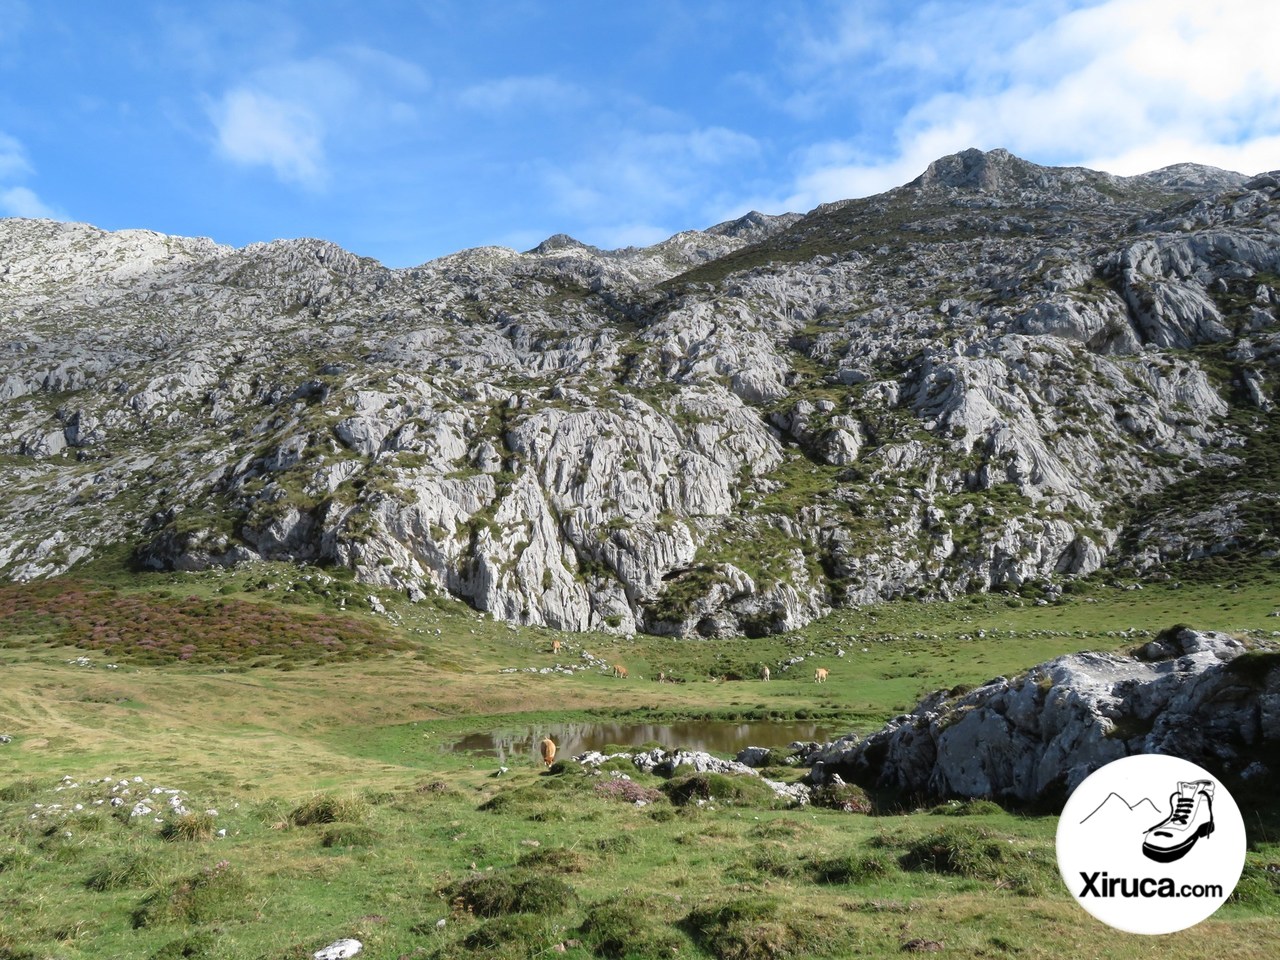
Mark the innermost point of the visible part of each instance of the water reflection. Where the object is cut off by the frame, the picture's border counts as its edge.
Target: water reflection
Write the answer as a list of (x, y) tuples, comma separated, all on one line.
[(520, 743)]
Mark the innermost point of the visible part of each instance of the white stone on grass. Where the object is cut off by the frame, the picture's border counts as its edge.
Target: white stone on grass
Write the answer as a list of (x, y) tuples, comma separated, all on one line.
[(339, 950)]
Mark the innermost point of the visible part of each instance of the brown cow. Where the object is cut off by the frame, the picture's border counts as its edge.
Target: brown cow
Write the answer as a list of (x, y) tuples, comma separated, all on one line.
[(548, 747), (620, 671), (820, 675), (555, 646)]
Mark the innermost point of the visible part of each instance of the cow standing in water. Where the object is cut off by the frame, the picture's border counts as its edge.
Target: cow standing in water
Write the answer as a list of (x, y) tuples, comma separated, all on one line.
[(820, 675), (548, 747)]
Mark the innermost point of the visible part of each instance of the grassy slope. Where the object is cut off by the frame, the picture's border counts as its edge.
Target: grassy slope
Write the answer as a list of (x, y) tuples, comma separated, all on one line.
[(254, 742)]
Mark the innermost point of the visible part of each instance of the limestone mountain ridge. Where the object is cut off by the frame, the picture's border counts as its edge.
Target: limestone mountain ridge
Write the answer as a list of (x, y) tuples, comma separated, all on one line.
[(998, 376)]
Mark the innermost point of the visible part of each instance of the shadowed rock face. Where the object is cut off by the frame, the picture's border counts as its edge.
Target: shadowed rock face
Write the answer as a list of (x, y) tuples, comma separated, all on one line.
[(1194, 695), (981, 379)]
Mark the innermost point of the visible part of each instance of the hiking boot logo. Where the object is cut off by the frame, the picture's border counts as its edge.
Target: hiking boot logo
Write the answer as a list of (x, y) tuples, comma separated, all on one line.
[(1127, 857), (1190, 818)]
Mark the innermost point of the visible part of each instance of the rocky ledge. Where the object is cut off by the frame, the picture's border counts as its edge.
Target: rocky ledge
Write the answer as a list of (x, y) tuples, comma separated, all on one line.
[(1205, 697)]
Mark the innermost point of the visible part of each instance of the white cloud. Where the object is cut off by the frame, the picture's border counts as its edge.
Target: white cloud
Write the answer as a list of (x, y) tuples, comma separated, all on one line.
[(649, 175), (1257, 155), (13, 158), (255, 128), (16, 200), (23, 202), (286, 116), (1122, 85)]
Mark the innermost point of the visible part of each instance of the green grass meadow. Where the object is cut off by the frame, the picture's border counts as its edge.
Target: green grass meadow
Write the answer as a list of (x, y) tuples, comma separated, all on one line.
[(304, 739)]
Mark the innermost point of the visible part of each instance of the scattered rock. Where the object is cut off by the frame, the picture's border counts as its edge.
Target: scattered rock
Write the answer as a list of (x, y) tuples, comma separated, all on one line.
[(339, 950), (754, 756)]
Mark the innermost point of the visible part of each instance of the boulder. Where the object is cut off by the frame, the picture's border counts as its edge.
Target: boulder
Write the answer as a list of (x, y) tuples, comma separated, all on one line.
[(339, 950), (1035, 737)]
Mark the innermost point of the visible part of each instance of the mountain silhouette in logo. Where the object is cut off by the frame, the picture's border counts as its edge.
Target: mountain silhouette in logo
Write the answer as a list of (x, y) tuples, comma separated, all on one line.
[(1117, 809)]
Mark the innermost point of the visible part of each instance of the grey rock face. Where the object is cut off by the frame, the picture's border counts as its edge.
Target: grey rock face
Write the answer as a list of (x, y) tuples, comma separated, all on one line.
[(1035, 736), (983, 378)]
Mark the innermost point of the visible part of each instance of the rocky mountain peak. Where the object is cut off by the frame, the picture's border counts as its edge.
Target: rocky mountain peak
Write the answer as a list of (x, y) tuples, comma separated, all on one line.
[(753, 226), (562, 241), (1193, 178), (998, 176), (975, 169)]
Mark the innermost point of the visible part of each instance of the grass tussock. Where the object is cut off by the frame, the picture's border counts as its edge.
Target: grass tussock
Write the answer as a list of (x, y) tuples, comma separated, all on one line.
[(130, 871), (1254, 667), (841, 796), (979, 854), (554, 860), (776, 860), (23, 789), (549, 800), (618, 765), (758, 928), (193, 826), (526, 803), (216, 893), (707, 787), (350, 835), (498, 894), (851, 868), (328, 808), (629, 926), (519, 936), (271, 811), (614, 844)]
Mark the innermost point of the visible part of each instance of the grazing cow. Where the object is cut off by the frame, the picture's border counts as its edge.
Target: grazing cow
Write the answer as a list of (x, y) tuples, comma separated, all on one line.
[(555, 646), (620, 671), (820, 675), (548, 747), (764, 673)]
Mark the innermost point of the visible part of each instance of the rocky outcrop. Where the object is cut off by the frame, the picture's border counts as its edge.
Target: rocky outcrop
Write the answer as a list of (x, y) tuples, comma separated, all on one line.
[(671, 763), (1200, 696), (988, 376)]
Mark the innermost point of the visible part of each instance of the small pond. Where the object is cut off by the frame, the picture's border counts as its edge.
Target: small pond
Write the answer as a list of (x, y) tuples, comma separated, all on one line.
[(713, 736)]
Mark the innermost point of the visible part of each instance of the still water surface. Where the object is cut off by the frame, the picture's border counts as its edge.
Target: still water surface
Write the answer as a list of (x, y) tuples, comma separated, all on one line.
[(571, 738)]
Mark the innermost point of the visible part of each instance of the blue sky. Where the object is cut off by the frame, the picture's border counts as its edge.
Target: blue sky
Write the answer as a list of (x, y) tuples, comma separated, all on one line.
[(409, 130)]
